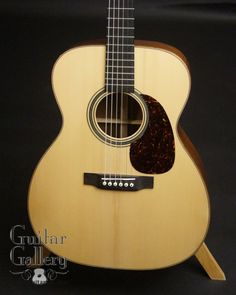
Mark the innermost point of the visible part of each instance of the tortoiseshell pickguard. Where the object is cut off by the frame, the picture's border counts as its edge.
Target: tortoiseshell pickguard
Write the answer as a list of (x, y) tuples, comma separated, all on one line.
[(154, 152)]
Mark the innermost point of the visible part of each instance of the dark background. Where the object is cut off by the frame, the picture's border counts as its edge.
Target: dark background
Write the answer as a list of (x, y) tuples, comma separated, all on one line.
[(33, 35)]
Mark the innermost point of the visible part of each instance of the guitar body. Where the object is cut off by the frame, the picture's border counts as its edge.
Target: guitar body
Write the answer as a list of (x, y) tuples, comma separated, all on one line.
[(145, 229)]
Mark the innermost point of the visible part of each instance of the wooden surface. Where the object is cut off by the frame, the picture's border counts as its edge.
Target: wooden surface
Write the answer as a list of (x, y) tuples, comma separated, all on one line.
[(203, 255), (209, 263), (141, 230)]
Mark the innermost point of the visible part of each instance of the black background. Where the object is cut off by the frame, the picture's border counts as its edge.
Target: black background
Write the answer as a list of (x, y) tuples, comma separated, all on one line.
[(33, 35)]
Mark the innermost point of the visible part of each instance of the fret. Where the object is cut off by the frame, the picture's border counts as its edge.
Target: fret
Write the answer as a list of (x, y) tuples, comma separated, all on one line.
[(119, 59), (121, 56), (114, 70), (115, 36), (121, 28), (120, 62), (117, 52), (117, 84), (124, 16), (120, 8), (117, 73), (121, 18), (118, 79), (119, 38), (118, 22), (120, 73), (121, 77), (121, 67), (123, 45)]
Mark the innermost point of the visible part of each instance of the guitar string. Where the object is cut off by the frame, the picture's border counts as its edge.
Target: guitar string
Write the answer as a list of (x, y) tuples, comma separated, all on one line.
[(107, 86), (130, 15), (133, 71), (126, 15), (117, 90), (112, 85), (127, 102), (133, 52), (122, 86)]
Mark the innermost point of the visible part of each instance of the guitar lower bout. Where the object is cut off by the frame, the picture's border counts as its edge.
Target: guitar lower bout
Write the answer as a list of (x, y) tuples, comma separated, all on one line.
[(159, 215)]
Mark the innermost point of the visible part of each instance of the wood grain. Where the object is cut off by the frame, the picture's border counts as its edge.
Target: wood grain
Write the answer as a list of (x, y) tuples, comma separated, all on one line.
[(209, 263), (141, 230)]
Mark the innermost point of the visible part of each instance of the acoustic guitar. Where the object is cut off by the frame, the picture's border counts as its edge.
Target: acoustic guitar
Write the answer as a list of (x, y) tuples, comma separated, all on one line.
[(121, 181)]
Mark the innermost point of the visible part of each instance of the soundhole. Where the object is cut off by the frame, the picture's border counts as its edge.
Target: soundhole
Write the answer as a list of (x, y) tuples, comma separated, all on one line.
[(119, 115), (118, 118)]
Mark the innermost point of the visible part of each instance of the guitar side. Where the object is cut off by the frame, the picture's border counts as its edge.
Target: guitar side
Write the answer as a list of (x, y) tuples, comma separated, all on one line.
[(147, 229)]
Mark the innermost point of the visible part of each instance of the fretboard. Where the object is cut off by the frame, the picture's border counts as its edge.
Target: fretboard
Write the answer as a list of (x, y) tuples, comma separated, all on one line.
[(120, 46)]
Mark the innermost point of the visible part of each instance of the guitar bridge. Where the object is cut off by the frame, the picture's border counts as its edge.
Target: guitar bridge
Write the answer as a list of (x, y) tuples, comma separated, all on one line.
[(118, 182)]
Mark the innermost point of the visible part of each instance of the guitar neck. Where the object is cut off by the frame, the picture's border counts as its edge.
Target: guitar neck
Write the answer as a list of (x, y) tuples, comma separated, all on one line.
[(120, 46)]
